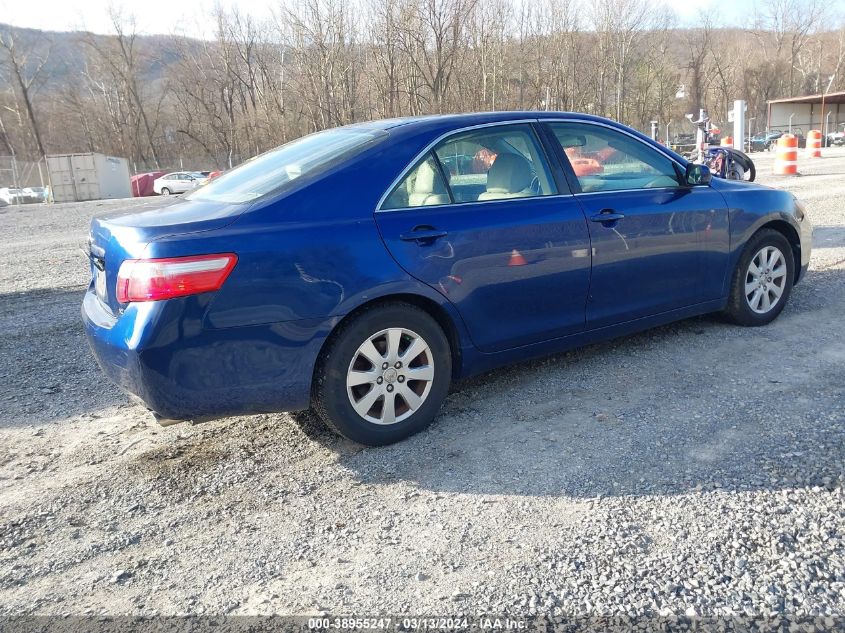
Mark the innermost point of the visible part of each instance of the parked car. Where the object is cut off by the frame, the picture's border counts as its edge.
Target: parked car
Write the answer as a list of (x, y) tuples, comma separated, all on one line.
[(36, 194), (761, 142), (11, 195), (836, 138), (776, 134), (351, 272), (24, 195), (177, 182)]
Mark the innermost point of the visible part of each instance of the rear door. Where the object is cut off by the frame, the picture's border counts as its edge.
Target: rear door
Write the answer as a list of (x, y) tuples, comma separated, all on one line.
[(657, 245), (482, 220)]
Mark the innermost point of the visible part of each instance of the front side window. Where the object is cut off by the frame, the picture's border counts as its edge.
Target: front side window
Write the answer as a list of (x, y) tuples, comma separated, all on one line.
[(272, 170), (495, 163), (607, 160)]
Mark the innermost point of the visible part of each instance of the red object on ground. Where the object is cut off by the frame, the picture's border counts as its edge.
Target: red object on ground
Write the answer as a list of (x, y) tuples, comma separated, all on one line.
[(142, 184), (516, 259), (213, 174)]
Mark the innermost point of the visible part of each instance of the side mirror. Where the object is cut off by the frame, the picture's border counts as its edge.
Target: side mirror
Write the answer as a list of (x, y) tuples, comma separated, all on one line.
[(698, 175)]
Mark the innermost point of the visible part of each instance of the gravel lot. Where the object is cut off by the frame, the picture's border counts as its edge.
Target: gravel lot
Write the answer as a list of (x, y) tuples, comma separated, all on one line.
[(707, 480)]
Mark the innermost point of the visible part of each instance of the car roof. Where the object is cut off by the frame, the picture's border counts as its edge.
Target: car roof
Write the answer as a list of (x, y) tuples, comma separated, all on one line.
[(472, 118), (445, 123)]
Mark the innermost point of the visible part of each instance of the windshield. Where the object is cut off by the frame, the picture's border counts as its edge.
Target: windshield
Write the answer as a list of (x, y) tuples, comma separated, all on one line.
[(270, 171)]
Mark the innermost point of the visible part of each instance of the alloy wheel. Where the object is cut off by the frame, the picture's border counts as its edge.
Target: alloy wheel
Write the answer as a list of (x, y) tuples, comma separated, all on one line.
[(390, 376), (765, 279)]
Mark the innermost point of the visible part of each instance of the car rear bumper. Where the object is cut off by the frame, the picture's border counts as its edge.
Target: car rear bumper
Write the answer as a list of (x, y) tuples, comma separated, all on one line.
[(161, 352)]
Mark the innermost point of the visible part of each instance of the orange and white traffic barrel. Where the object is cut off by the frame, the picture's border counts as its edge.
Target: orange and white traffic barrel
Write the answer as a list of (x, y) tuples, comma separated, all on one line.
[(814, 144), (786, 161), (728, 141)]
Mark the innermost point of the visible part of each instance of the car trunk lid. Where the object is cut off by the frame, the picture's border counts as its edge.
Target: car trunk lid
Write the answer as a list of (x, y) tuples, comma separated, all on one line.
[(121, 235)]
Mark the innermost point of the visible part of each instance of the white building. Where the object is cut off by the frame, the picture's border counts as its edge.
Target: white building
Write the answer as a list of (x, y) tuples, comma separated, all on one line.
[(812, 112)]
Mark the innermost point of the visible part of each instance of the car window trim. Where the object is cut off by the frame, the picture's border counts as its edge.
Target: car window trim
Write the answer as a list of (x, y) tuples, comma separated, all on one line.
[(439, 172), (443, 177), (648, 189), (570, 173), (551, 148), (430, 148)]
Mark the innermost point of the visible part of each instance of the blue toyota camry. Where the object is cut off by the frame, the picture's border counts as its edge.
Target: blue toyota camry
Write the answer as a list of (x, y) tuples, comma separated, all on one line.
[(360, 270)]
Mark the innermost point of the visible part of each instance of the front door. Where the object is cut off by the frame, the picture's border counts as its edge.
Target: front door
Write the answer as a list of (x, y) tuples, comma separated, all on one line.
[(657, 245), (481, 220)]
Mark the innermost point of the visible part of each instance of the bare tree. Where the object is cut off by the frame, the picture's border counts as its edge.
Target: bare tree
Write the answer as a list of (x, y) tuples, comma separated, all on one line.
[(434, 40), (119, 56), (699, 51), (320, 63), (25, 67)]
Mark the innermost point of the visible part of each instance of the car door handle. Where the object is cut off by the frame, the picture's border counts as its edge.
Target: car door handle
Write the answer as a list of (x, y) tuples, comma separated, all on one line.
[(607, 215), (423, 235)]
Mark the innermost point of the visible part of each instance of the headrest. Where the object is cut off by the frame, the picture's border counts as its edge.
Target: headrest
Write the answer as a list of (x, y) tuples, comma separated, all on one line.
[(427, 180), (510, 173)]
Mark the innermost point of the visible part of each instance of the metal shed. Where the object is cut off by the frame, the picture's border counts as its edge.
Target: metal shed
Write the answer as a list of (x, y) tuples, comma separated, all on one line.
[(824, 112), (79, 177)]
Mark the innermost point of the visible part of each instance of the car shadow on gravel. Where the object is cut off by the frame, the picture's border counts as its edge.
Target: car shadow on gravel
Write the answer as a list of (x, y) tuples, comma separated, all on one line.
[(694, 405), (47, 372), (828, 236)]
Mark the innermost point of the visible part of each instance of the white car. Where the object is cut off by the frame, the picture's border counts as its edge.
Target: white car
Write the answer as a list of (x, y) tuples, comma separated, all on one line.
[(177, 182), (836, 138), (27, 195)]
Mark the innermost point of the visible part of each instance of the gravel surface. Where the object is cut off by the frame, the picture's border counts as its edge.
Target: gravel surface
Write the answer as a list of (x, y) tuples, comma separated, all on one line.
[(695, 469)]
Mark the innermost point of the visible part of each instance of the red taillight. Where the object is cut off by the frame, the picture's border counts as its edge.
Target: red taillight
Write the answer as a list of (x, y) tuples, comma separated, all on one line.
[(169, 277)]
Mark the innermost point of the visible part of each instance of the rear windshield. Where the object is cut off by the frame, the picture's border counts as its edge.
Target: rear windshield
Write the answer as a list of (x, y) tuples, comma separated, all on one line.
[(270, 171)]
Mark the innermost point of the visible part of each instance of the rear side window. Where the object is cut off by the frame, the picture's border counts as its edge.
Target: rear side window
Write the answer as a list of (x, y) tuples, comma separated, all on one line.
[(491, 163), (423, 186), (495, 163), (272, 170), (607, 160)]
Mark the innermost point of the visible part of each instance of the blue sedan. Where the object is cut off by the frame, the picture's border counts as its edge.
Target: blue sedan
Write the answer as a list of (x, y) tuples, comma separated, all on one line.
[(360, 270)]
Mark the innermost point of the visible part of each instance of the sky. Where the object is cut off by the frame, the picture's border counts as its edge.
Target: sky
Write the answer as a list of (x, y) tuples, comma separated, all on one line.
[(193, 18)]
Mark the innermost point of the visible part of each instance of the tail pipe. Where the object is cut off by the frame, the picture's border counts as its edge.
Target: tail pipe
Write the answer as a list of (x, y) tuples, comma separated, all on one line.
[(162, 421)]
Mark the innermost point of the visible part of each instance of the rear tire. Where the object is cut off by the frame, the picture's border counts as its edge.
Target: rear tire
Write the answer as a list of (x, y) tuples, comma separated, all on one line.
[(397, 393), (762, 281), (165, 191)]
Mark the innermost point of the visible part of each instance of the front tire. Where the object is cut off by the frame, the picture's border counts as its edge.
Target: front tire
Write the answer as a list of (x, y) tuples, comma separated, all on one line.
[(762, 280), (384, 375)]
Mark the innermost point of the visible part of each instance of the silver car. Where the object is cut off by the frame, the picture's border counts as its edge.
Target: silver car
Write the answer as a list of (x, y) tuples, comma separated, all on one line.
[(177, 182)]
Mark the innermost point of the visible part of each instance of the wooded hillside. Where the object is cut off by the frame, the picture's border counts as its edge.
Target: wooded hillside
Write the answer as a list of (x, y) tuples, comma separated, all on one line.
[(322, 63)]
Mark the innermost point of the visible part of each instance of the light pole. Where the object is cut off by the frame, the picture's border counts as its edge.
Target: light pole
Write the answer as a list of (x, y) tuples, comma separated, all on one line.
[(750, 130), (790, 122), (824, 93), (827, 128)]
